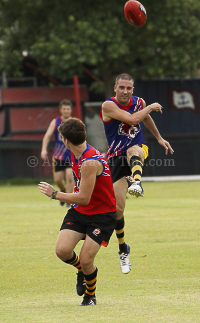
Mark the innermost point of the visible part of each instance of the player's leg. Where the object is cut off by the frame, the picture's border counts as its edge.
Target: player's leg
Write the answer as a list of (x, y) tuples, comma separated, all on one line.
[(69, 181), (59, 176), (135, 159), (99, 229), (59, 180), (66, 242), (120, 188), (87, 256)]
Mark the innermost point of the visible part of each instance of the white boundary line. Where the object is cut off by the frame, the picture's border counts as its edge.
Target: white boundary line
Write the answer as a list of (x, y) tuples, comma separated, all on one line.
[(171, 178)]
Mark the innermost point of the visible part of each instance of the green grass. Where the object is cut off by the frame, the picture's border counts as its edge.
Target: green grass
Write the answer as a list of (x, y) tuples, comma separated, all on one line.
[(163, 286), (24, 181)]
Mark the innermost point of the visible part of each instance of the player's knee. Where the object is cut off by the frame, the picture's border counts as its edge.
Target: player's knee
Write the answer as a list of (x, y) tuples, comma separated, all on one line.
[(59, 251), (132, 152), (120, 208), (135, 151), (58, 182), (62, 252)]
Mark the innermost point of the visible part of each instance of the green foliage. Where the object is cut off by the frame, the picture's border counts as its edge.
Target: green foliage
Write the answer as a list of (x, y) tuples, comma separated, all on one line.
[(64, 35)]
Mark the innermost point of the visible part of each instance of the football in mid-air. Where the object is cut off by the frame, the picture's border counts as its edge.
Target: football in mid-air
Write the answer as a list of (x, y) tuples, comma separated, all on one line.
[(135, 13)]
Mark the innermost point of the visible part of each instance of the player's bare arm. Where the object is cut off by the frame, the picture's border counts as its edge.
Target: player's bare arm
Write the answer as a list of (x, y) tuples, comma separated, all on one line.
[(150, 125), (110, 110), (47, 138), (89, 170)]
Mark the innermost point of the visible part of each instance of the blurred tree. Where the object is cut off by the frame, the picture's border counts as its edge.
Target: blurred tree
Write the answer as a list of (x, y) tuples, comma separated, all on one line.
[(63, 36)]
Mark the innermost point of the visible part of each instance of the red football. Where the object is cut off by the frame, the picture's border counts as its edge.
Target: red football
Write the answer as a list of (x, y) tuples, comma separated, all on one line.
[(135, 13)]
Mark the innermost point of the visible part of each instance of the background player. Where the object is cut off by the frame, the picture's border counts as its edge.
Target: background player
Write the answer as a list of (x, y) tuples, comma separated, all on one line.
[(122, 116), (93, 213), (61, 161)]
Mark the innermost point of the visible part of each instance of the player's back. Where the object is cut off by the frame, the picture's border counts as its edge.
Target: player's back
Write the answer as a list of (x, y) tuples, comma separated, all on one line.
[(103, 197)]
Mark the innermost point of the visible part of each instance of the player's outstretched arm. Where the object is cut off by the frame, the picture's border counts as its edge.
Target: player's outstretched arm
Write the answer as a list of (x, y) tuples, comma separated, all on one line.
[(111, 111), (89, 171), (166, 145), (150, 125), (47, 138)]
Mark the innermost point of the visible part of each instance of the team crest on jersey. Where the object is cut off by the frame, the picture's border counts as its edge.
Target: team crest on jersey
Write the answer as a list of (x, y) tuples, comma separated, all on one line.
[(128, 130)]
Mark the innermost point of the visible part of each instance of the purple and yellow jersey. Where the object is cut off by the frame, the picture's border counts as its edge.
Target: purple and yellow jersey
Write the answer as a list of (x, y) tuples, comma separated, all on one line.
[(120, 135), (60, 150)]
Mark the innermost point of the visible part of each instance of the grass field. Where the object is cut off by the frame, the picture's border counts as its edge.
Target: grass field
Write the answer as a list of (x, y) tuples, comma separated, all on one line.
[(163, 230)]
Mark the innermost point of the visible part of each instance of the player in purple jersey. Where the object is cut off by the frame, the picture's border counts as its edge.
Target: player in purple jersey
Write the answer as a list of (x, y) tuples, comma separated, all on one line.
[(62, 166), (123, 116)]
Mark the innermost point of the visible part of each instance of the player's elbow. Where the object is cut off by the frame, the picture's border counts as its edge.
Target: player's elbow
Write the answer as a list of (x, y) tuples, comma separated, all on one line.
[(135, 121), (85, 200)]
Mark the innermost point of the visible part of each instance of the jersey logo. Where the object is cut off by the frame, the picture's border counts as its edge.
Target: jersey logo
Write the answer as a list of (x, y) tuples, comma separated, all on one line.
[(60, 137), (76, 180), (96, 232), (128, 130)]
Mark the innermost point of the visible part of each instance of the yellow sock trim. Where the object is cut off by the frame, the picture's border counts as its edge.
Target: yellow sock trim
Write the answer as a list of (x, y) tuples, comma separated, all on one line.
[(138, 177), (136, 167), (119, 231), (121, 240)]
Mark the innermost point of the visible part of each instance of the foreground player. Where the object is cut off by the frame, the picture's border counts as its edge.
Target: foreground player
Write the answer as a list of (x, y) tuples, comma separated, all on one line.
[(122, 116), (93, 213), (62, 156)]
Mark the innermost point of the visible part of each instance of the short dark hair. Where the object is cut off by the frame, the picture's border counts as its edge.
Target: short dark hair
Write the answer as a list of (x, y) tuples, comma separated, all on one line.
[(65, 102), (73, 129), (124, 76)]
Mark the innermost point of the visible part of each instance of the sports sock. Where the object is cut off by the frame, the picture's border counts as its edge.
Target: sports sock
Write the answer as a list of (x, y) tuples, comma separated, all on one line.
[(74, 261), (91, 283), (119, 229), (136, 165)]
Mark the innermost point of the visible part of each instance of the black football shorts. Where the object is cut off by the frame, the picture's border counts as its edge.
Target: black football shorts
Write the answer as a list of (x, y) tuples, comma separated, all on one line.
[(119, 166), (99, 227), (60, 165)]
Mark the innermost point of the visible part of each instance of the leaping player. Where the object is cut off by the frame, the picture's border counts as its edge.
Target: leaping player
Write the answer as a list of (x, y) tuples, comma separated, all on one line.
[(123, 115)]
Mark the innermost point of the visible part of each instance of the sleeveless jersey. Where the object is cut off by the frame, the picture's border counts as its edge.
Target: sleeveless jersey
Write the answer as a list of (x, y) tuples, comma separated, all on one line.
[(60, 150), (103, 197), (120, 135)]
